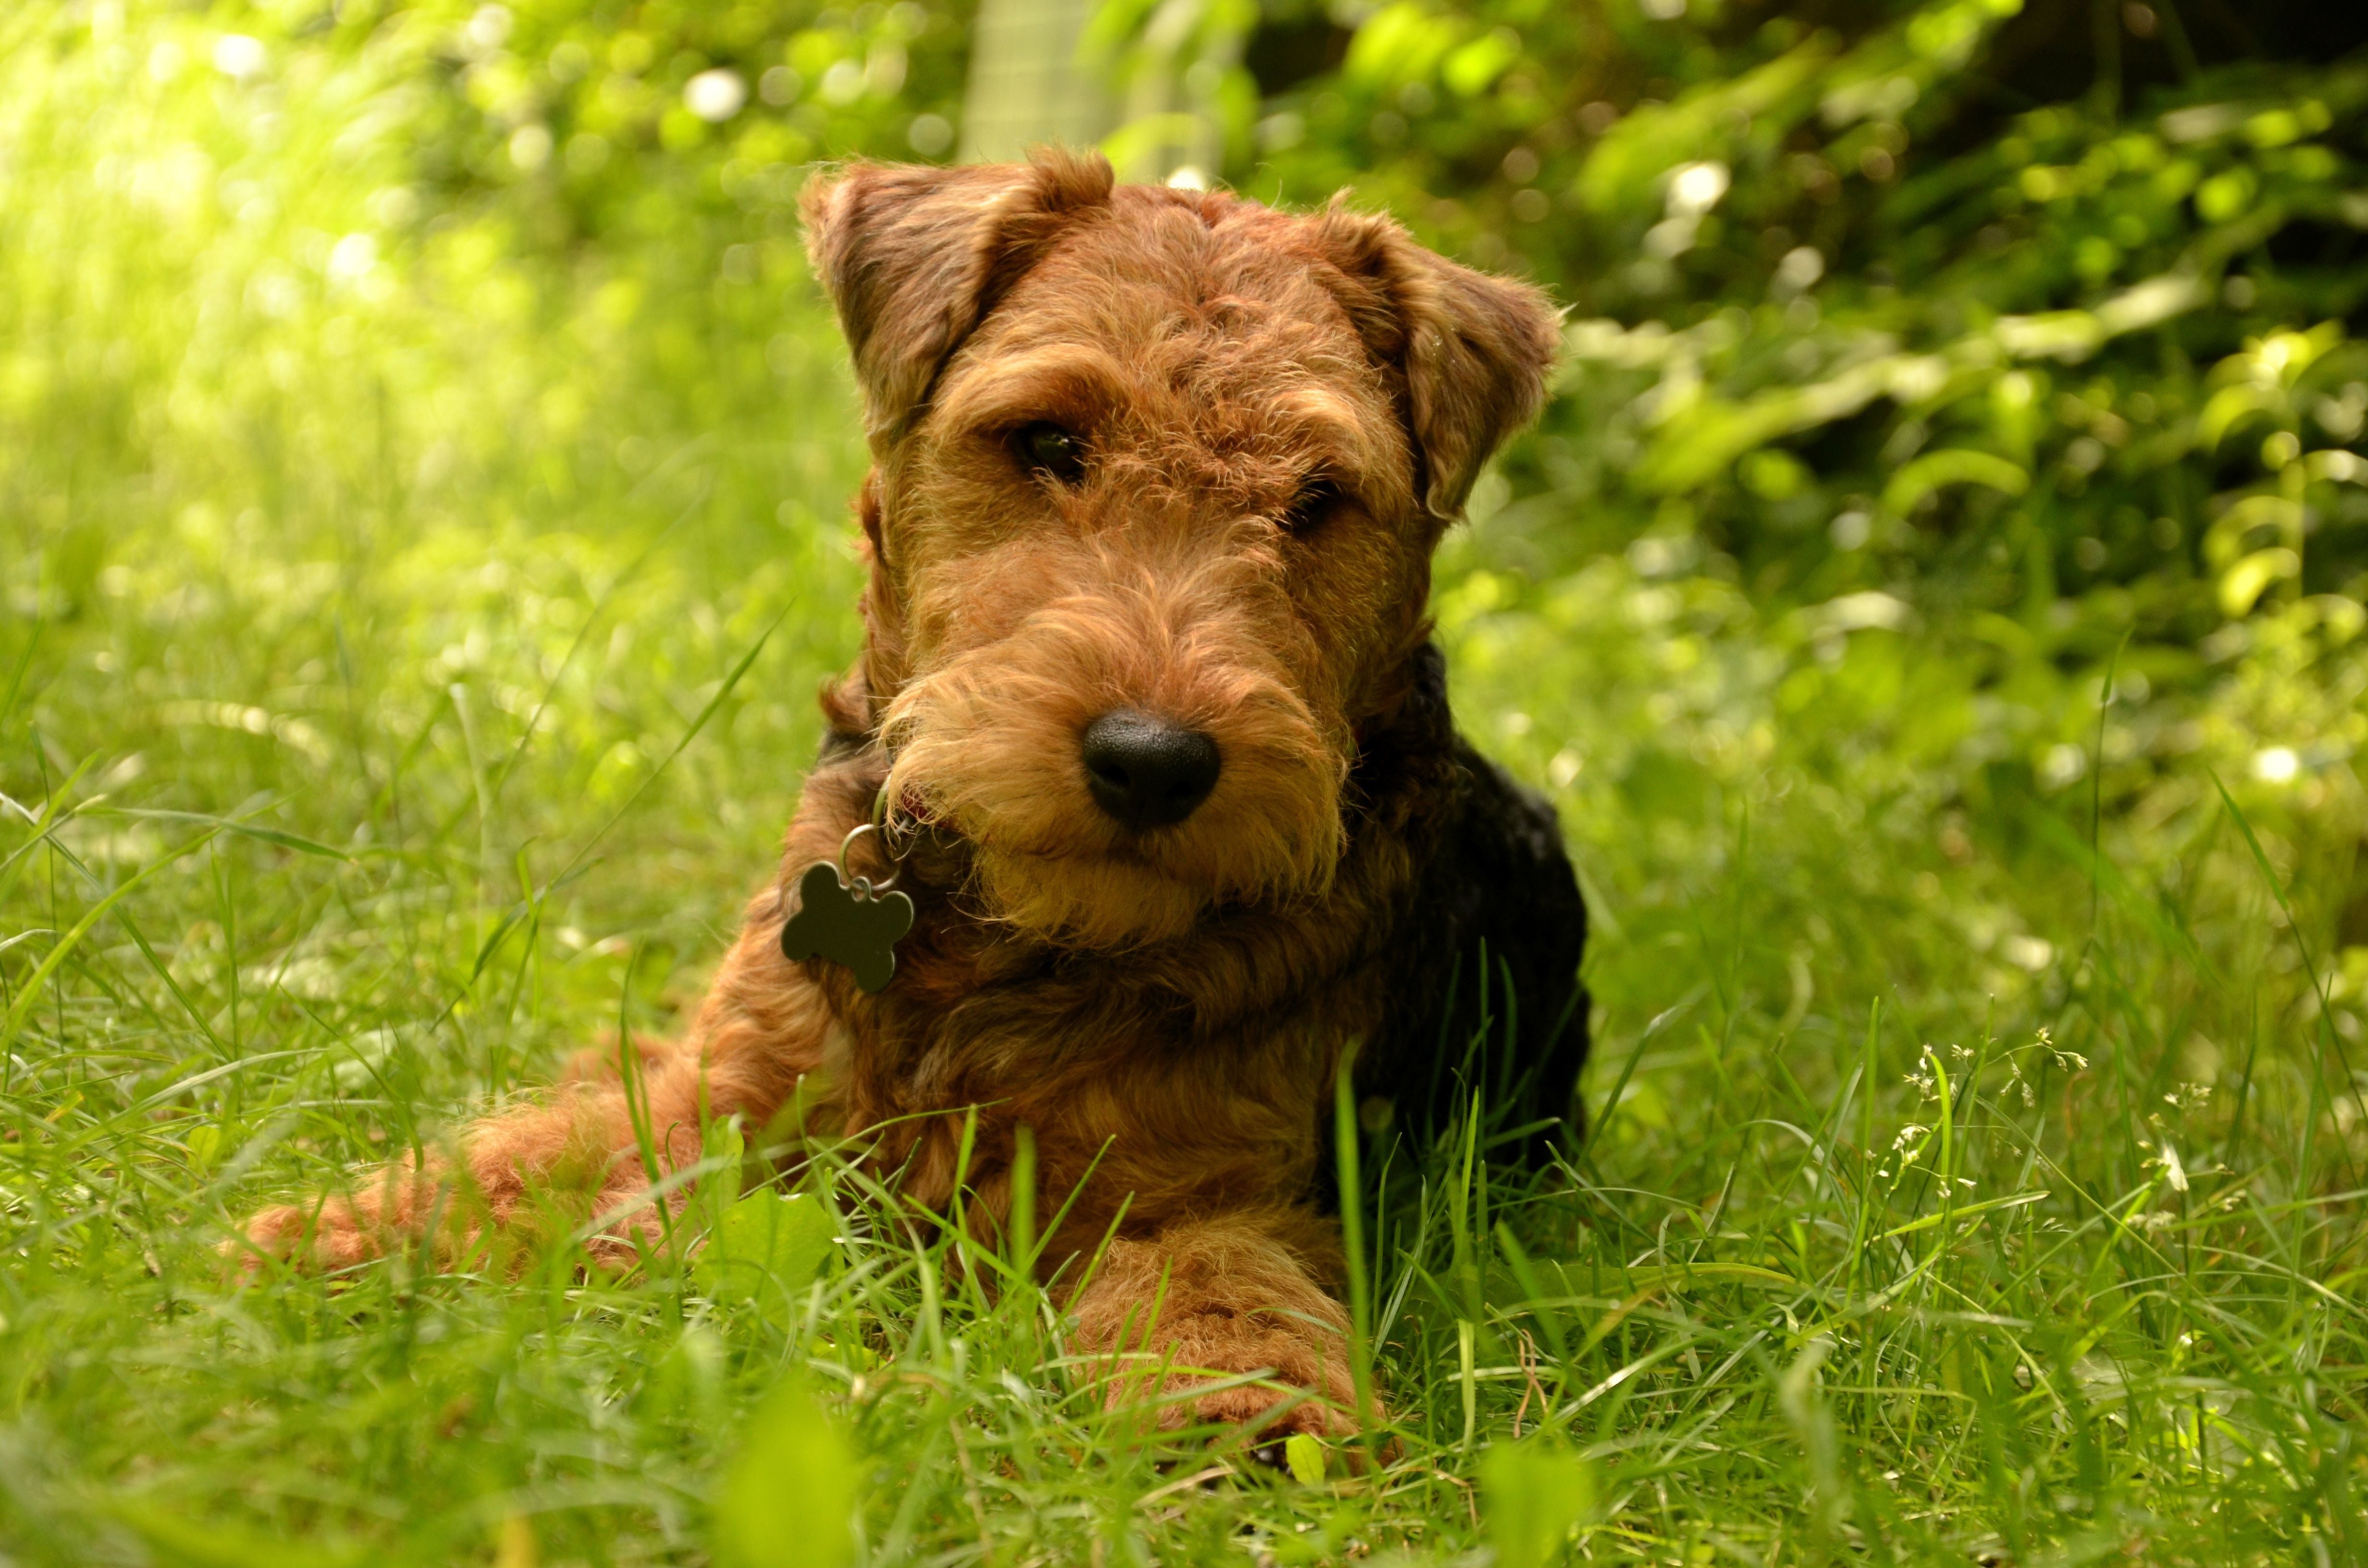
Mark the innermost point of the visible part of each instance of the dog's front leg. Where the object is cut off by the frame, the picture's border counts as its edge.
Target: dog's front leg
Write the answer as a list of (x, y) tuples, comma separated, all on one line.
[(1200, 1301), (524, 1175), (581, 1159)]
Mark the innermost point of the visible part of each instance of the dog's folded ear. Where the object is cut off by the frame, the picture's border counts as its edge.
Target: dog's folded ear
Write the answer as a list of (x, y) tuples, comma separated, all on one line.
[(914, 256), (1476, 350)]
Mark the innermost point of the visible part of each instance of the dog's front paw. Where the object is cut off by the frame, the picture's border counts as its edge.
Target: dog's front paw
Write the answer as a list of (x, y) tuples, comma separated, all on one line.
[(1219, 1321), (329, 1234), (628, 1225), (396, 1207), (1270, 1415), (1300, 1379)]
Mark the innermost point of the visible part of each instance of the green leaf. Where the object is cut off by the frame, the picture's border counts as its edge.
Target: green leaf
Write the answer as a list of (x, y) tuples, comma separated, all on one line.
[(1304, 1454), (2244, 583), (1399, 44), (1536, 1493), (2225, 195), (765, 1248), (1953, 465), (1773, 475), (1622, 175), (203, 1143), (789, 1495), (1474, 67), (2227, 406), (724, 1145)]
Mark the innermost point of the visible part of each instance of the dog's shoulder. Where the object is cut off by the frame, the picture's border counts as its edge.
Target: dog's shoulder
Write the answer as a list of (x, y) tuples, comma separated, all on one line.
[(1480, 967)]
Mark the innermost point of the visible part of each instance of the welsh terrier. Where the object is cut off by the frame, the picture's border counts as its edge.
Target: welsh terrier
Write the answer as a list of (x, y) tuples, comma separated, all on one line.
[(1159, 752)]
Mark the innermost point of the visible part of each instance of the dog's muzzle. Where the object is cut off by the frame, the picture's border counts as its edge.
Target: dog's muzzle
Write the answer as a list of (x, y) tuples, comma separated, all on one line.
[(1146, 772)]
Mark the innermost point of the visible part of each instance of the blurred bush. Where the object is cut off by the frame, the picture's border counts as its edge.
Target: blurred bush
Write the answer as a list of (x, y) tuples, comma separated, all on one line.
[(1850, 305)]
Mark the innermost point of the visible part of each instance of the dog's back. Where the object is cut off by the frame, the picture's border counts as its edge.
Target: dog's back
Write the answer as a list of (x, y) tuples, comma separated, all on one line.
[(1482, 967)]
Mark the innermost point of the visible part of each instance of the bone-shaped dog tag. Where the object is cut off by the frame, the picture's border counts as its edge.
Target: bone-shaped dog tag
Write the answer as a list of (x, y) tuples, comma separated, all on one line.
[(851, 926)]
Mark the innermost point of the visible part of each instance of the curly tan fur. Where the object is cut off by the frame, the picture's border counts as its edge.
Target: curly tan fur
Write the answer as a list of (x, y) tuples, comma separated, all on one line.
[(1173, 1001)]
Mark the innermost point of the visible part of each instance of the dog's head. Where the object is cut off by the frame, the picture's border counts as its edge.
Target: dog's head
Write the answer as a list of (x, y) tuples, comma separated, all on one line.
[(1159, 474)]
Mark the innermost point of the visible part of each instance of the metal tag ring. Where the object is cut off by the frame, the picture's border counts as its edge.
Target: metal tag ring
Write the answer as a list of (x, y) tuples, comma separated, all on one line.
[(870, 889)]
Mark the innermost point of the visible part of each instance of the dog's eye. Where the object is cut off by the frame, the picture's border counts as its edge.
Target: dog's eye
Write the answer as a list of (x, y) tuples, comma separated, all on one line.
[(1315, 502), (1044, 447)]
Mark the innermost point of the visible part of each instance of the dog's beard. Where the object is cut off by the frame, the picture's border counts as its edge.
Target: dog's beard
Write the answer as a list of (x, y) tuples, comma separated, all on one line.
[(985, 746)]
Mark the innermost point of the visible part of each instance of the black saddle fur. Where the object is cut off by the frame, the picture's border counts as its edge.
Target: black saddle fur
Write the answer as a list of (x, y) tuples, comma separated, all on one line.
[(1485, 957)]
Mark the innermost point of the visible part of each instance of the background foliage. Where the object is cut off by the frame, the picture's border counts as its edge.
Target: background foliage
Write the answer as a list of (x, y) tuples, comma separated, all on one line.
[(1933, 599)]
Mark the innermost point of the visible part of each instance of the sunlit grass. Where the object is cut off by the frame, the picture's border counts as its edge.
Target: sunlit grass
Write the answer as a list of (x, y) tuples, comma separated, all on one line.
[(1955, 1191)]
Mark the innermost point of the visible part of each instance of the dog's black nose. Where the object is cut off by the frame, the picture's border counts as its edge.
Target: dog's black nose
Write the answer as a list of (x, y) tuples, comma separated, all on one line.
[(1147, 772)]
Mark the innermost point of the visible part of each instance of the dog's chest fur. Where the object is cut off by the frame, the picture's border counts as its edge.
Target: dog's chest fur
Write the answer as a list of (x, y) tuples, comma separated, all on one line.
[(1197, 1073)]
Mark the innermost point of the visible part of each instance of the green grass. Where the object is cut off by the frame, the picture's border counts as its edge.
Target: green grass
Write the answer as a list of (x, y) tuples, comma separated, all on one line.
[(1976, 1172)]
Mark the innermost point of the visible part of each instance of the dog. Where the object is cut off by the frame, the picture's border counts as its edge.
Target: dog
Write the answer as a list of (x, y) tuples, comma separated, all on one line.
[(1159, 753)]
